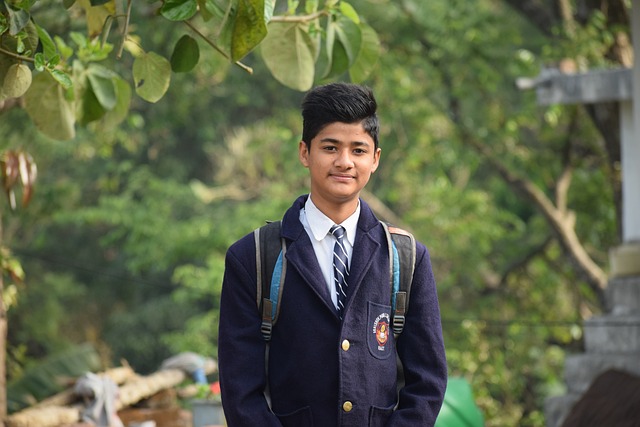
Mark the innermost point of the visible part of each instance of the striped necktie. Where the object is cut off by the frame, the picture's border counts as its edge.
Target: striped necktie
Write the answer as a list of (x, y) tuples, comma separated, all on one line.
[(340, 266)]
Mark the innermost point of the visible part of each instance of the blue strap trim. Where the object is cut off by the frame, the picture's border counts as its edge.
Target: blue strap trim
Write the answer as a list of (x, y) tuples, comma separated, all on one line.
[(275, 286), (396, 274), (199, 376)]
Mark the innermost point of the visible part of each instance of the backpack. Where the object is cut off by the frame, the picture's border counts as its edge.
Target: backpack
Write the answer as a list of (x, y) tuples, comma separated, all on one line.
[(271, 267)]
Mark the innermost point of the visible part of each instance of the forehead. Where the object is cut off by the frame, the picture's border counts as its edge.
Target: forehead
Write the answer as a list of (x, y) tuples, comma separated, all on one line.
[(339, 132)]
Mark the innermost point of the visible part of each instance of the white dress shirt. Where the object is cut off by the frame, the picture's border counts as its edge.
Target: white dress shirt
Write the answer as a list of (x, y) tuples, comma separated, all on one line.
[(317, 226)]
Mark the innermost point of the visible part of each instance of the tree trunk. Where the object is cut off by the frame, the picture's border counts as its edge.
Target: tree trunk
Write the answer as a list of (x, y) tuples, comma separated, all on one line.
[(3, 345)]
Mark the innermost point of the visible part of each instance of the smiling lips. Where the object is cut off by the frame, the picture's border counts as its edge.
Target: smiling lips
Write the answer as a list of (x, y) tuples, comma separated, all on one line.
[(341, 176)]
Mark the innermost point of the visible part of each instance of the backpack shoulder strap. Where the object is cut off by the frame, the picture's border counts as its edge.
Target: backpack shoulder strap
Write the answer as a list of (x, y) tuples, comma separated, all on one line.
[(402, 257), (270, 273)]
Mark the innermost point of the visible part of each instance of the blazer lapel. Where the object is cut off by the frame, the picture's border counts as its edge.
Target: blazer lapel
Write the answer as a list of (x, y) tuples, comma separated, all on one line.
[(301, 256), (365, 249)]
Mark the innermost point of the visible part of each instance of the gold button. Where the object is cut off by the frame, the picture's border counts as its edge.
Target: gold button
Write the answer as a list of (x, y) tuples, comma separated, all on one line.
[(347, 406), (345, 345)]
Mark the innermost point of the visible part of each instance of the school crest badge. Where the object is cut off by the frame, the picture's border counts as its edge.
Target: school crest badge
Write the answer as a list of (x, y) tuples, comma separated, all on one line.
[(381, 330), (379, 334)]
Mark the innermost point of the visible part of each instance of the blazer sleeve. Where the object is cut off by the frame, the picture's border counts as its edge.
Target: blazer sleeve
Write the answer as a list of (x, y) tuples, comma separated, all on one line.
[(421, 350), (241, 348)]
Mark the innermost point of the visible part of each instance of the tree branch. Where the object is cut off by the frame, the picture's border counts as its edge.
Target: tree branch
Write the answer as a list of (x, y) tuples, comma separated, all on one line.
[(16, 56), (300, 18), (560, 222), (213, 45)]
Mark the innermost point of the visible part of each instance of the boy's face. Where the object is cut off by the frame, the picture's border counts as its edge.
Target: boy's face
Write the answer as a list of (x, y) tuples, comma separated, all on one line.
[(340, 159)]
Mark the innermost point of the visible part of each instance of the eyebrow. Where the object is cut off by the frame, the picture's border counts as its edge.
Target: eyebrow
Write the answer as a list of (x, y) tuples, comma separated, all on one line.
[(335, 141)]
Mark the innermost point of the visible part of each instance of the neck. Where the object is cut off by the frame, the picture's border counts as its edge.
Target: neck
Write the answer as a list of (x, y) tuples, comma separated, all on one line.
[(337, 212)]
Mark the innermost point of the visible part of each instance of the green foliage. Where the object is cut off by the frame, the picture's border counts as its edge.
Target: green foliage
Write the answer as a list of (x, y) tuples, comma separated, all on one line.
[(185, 55), (142, 212), (137, 335), (289, 45), (151, 75), (233, 28)]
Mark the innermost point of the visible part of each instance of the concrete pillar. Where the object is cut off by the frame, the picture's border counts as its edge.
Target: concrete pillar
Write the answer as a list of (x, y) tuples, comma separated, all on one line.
[(625, 259), (612, 341)]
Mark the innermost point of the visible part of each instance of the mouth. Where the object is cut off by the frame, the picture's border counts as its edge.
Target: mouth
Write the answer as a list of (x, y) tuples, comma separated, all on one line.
[(342, 177)]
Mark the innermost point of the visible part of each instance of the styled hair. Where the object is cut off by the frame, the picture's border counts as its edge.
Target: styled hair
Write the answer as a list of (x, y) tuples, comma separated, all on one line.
[(339, 102)]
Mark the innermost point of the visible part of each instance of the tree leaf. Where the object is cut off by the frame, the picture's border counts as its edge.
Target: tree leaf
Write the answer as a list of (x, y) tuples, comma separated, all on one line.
[(151, 75), (47, 106), (211, 8), (350, 37), (91, 109), (249, 28), (368, 55), (62, 78), (28, 175), (97, 15), (342, 45), (289, 52), (269, 6), (16, 81), (349, 12), (102, 84), (179, 10), (119, 112), (48, 46), (32, 39), (339, 61), (186, 55), (10, 169), (18, 19)]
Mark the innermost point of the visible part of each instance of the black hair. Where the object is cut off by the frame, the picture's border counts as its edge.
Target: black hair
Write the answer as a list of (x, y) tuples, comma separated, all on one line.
[(339, 102)]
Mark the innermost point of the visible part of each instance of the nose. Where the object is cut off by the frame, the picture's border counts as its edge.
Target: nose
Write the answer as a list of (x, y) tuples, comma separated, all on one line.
[(343, 159)]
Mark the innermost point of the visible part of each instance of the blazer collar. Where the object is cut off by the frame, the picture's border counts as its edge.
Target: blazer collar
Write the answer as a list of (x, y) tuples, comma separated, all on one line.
[(301, 256)]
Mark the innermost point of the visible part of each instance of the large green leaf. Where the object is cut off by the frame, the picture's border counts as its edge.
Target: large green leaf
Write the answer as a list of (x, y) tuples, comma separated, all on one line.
[(335, 59), (48, 46), (350, 37), (348, 11), (368, 55), (179, 10), (289, 52), (186, 55), (218, 9), (18, 19), (151, 75), (16, 81), (269, 6), (249, 28), (91, 108), (46, 104), (102, 83), (119, 112)]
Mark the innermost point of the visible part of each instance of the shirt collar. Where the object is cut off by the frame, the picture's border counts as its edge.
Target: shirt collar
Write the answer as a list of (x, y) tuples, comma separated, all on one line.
[(320, 224)]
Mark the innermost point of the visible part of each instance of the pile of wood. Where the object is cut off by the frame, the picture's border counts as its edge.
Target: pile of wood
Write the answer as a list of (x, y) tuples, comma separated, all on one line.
[(140, 398)]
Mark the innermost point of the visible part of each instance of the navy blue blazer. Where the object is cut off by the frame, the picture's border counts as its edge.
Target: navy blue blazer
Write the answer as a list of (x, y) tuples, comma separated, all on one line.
[(324, 372)]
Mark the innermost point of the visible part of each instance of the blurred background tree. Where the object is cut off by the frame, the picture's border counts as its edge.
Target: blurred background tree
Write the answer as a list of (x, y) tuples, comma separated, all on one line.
[(123, 244)]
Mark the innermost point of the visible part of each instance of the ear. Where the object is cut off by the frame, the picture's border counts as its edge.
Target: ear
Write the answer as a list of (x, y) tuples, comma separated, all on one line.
[(376, 160), (303, 154)]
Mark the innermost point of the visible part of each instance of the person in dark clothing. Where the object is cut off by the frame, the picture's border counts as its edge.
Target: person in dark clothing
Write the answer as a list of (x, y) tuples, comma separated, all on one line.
[(332, 358)]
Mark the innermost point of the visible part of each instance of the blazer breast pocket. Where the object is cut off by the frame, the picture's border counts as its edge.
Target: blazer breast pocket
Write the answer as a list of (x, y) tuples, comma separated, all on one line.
[(379, 339)]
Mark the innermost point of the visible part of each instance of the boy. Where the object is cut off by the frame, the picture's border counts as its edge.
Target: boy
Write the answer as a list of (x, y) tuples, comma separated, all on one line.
[(331, 359)]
